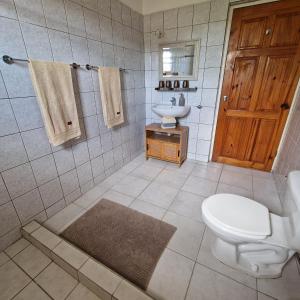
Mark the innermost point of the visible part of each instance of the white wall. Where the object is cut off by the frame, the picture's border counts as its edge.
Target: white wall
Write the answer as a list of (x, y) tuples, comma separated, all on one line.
[(146, 7)]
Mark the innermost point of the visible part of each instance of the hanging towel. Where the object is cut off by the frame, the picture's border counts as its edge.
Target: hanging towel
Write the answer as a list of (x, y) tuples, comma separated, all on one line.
[(53, 86), (110, 87)]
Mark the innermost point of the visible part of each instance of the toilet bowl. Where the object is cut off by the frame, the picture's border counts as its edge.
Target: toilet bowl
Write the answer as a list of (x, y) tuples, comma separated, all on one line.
[(250, 238)]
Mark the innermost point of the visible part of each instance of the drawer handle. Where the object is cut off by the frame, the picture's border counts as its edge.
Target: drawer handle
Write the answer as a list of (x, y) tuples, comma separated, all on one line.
[(178, 153)]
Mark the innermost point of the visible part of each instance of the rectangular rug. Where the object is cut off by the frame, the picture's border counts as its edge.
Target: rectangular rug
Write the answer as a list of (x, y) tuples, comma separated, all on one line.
[(125, 240)]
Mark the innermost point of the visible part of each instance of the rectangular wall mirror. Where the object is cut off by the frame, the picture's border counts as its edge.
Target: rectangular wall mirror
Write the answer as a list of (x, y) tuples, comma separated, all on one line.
[(179, 60)]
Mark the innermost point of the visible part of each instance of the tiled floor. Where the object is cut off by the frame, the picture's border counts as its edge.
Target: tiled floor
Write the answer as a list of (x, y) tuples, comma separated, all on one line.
[(28, 274), (187, 269)]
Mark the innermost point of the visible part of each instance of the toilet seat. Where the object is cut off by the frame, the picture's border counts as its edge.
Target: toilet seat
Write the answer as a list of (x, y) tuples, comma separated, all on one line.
[(237, 215)]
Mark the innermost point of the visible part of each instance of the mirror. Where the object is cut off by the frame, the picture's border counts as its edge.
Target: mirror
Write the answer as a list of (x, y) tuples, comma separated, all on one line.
[(179, 60)]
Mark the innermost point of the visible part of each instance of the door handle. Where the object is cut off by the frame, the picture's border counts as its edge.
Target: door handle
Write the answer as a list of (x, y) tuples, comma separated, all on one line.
[(268, 31), (284, 106), (225, 98)]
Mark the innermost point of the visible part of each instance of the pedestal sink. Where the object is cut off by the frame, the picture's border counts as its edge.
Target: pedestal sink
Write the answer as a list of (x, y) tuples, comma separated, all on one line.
[(171, 110)]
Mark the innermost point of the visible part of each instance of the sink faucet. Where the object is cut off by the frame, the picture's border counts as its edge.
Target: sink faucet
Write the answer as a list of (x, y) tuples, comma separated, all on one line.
[(173, 101)]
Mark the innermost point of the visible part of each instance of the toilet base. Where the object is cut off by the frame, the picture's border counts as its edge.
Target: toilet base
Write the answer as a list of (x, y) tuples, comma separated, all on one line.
[(256, 259)]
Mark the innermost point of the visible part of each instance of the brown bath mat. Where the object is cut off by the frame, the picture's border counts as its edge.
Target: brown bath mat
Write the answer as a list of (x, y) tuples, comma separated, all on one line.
[(123, 239)]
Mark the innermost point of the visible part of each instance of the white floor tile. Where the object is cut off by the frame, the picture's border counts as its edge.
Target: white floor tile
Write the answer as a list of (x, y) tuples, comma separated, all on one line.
[(239, 170), (187, 238), (200, 186), (286, 287), (148, 209), (188, 205), (207, 172), (131, 186), (146, 171), (171, 276), (230, 189), (118, 197), (172, 178), (82, 293), (12, 280), (236, 179), (206, 258), (16, 247), (32, 292), (32, 260), (186, 168), (3, 258), (159, 194), (209, 285), (56, 282)]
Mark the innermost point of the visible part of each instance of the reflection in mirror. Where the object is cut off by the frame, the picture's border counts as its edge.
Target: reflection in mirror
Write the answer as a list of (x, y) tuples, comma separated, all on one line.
[(179, 60)]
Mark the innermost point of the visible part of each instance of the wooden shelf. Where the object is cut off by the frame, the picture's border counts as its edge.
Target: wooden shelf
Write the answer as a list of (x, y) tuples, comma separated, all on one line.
[(176, 89), (166, 144), (175, 139)]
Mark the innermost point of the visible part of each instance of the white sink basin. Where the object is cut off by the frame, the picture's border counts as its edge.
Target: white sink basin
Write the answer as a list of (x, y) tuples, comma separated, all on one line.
[(171, 111)]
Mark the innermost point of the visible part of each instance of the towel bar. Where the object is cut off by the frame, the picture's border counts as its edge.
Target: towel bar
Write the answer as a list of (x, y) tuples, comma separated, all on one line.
[(10, 60)]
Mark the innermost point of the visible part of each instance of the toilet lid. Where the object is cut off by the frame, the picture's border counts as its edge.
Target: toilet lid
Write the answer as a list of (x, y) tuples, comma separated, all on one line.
[(238, 214)]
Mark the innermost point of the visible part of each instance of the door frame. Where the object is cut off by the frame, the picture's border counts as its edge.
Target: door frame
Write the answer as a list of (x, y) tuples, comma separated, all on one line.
[(232, 6)]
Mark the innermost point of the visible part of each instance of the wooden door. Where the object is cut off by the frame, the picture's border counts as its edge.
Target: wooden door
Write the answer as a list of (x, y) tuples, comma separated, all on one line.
[(261, 74)]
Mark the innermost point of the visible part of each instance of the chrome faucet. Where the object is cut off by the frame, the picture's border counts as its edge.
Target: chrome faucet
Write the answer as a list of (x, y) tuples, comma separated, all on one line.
[(173, 101)]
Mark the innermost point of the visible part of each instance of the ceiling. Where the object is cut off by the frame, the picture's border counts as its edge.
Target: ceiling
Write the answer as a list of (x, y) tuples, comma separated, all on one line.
[(146, 7)]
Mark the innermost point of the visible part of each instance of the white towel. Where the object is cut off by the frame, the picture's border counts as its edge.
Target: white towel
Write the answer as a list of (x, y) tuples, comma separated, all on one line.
[(110, 88), (53, 86)]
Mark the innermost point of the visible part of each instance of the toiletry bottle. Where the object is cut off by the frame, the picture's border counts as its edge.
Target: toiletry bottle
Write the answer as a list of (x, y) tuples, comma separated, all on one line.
[(181, 100)]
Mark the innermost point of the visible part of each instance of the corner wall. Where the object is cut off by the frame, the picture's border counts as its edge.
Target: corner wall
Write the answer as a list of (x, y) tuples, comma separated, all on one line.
[(205, 22), (289, 155), (37, 180)]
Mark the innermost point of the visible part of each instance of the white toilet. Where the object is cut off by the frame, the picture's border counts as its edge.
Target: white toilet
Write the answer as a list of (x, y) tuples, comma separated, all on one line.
[(249, 237)]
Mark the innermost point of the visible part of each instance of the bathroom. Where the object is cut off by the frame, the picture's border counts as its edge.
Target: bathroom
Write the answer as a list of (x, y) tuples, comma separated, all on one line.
[(44, 188)]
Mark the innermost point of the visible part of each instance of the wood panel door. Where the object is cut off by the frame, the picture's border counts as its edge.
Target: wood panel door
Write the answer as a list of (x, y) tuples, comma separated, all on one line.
[(261, 73)]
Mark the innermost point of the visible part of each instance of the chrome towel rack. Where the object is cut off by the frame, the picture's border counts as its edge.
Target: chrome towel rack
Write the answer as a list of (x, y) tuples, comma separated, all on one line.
[(10, 60)]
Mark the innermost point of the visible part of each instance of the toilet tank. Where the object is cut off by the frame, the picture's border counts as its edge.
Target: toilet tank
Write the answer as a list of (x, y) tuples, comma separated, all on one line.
[(292, 220)]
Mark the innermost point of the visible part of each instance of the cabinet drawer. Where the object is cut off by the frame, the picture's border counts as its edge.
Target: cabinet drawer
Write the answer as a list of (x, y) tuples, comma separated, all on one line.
[(170, 151), (154, 148)]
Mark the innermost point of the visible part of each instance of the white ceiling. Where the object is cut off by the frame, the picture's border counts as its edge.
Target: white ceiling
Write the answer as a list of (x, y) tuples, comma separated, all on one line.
[(146, 7)]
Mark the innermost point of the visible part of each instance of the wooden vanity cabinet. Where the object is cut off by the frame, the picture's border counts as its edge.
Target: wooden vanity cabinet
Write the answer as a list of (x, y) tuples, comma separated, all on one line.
[(166, 144)]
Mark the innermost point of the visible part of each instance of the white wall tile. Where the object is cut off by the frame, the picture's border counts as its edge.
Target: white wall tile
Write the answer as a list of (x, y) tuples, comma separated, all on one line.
[(7, 9), (12, 152), (55, 14), (8, 124), (8, 218), (51, 192), (44, 169), (31, 12), (19, 180), (170, 18), (28, 205), (216, 33), (75, 18), (201, 13), (185, 16), (36, 143)]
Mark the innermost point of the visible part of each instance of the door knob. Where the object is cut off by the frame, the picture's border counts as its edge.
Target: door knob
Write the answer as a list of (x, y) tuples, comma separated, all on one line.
[(284, 106), (225, 98), (268, 31)]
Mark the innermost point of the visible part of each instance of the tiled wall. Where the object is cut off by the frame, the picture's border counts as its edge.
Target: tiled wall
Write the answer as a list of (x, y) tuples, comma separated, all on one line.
[(38, 180), (289, 155), (205, 22)]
